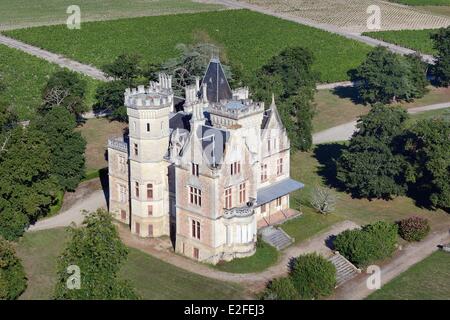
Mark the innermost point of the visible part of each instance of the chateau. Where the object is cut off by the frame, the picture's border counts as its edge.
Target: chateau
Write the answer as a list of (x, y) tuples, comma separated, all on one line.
[(208, 171)]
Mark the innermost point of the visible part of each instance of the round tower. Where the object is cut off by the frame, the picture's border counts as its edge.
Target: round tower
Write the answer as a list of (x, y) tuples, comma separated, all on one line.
[(148, 110)]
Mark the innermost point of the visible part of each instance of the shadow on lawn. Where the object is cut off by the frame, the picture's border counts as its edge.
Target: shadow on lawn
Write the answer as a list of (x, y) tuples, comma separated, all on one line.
[(348, 93), (327, 155)]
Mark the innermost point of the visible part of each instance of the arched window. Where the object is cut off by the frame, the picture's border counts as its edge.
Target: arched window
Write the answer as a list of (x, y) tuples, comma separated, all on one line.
[(149, 191)]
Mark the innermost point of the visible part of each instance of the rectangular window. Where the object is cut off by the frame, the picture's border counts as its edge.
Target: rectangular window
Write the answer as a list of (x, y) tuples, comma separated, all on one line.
[(122, 193), (122, 164), (263, 172), (150, 210), (196, 229), (278, 202), (196, 253), (235, 168), (263, 208), (195, 169), (195, 196), (149, 191), (242, 195), (228, 199), (136, 189), (148, 127), (279, 166), (123, 214), (150, 230), (138, 228), (136, 151), (268, 145)]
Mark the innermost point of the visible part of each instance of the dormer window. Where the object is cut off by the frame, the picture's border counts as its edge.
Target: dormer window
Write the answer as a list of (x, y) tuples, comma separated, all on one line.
[(268, 145), (235, 168), (195, 169)]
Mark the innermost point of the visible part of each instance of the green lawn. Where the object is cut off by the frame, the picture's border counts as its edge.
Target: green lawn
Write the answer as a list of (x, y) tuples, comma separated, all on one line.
[(22, 13), (426, 280), (24, 77), (151, 277), (432, 114), (418, 40), (318, 168), (335, 108), (265, 256), (247, 38)]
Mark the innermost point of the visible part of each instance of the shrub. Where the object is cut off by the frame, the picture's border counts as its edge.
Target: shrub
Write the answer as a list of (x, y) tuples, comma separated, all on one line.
[(12, 276), (280, 289), (413, 228), (372, 242), (313, 276), (323, 200)]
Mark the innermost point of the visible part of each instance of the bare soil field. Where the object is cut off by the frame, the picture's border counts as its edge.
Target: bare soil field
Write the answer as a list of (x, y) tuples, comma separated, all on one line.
[(351, 15)]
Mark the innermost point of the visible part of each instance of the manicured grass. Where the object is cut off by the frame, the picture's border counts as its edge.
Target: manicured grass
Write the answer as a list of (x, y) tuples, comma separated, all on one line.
[(426, 280), (22, 13), (96, 132), (24, 77), (432, 114), (265, 256), (247, 38), (152, 278), (333, 109), (318, 168), (423, 2), (418, 40), (155, 279)]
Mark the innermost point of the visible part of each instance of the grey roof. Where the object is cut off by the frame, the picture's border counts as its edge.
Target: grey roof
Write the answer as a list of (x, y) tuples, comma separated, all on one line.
[(276, 190), (213, 143), (265, 119), (217, 83), (180, 120)]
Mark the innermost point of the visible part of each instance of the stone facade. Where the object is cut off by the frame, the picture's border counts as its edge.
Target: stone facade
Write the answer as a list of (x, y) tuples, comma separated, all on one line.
[(206, 175)]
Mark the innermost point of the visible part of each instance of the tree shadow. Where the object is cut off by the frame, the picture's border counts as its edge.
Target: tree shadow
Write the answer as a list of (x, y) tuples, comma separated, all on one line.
[(327, 155), (348, 93)]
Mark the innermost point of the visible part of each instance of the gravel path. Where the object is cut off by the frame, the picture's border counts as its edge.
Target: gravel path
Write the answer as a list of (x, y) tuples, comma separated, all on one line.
[(356, 289), (54, 58), (344, 131)]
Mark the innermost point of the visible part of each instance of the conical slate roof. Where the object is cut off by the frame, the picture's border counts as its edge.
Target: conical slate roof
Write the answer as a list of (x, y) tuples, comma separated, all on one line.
[(217, 83)]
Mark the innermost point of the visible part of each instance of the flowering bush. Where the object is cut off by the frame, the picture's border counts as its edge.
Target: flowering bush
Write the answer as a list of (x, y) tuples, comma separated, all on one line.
[(413, 228)]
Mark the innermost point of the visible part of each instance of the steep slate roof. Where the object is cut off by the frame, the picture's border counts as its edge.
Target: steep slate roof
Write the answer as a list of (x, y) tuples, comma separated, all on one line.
[(180, 120), (213, 143), (217, 83)]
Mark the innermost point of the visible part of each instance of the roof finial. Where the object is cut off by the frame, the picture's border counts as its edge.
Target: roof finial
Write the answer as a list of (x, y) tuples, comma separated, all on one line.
[(273, 99)]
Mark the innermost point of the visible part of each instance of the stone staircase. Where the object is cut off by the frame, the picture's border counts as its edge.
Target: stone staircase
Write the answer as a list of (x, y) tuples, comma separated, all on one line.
[(276, 237), (345, 270)]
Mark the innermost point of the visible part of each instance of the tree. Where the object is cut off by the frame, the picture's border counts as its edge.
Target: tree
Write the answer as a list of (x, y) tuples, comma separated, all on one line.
[(387, 77), (413, 228), (313, 276), (99, 253), (427, 151), (368, 244), (12, 276), (290, 78), (26, 188), (417, 75), (110, 97), (323, 200), (441, 69), (190, 63), (66, 146), (372, 166), (65, 88), (280, 289), (126, 67)]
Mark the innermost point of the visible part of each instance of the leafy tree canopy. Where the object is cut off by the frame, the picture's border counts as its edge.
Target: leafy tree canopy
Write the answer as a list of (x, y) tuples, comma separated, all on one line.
[(12, 276), (441, 69), (67, 89), (99, 253), (126, 67)]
